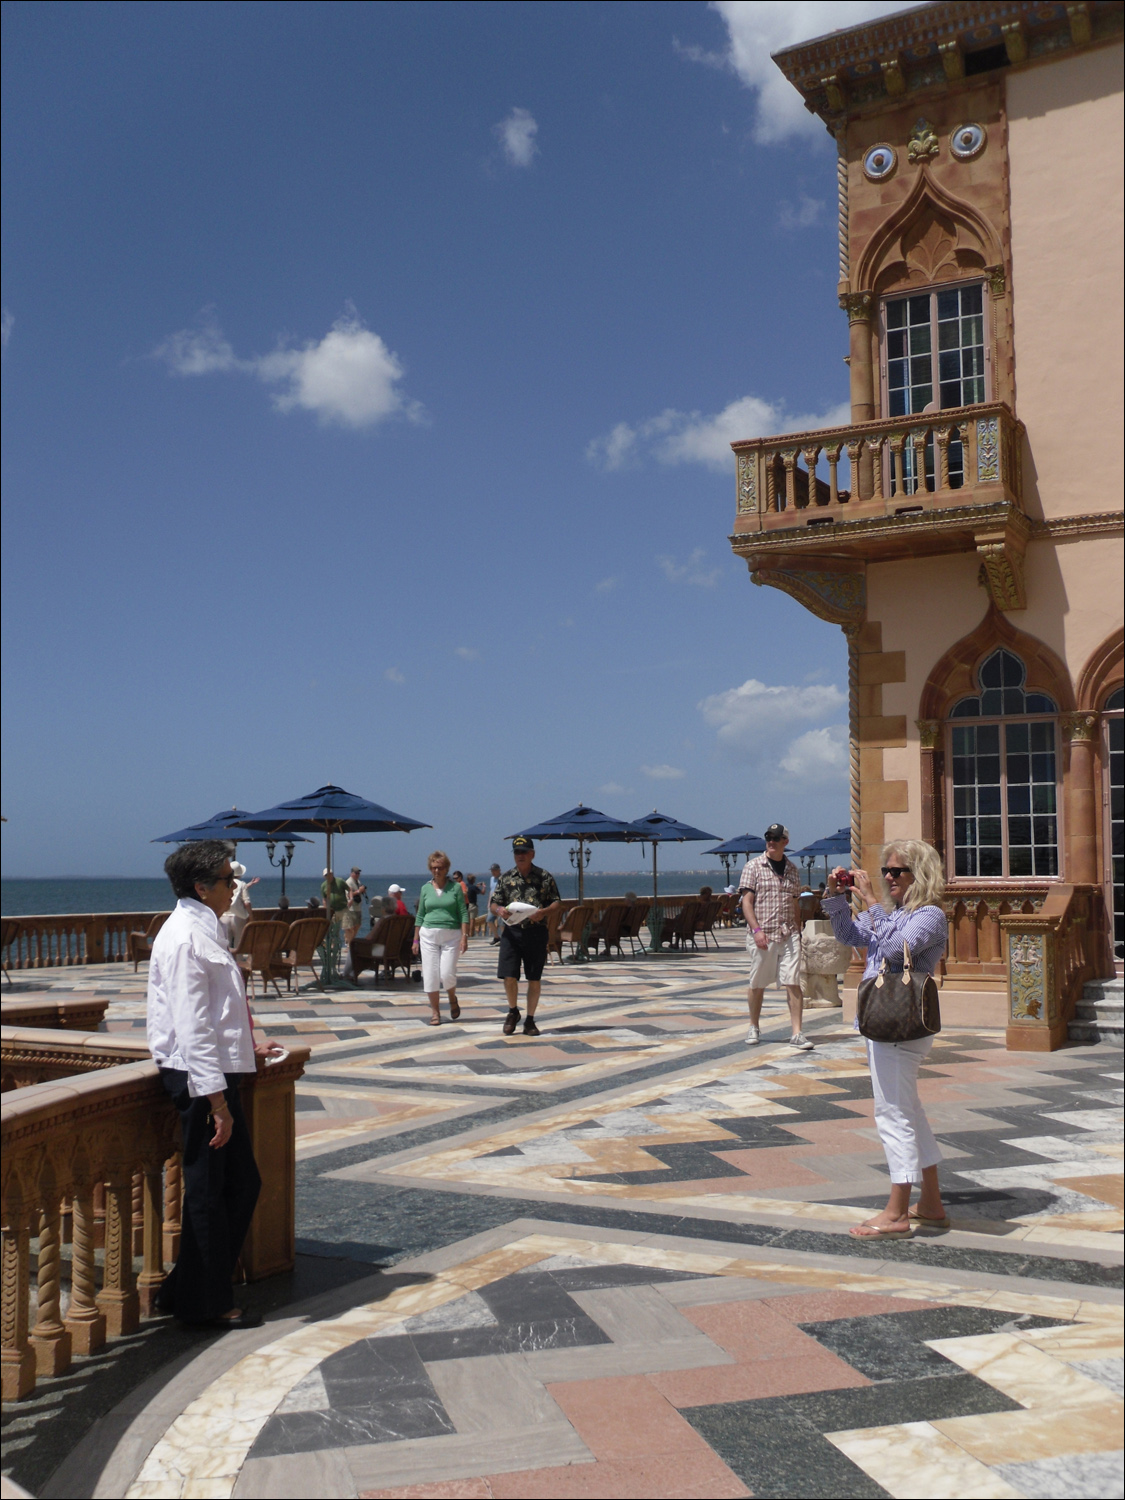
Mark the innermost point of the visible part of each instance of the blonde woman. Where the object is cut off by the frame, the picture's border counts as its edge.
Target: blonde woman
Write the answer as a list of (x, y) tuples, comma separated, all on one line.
[(908, 911), (441, 935)]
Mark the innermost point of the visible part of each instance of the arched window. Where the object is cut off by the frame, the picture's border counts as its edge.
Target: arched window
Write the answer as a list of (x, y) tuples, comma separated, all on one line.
[(1004, 773)]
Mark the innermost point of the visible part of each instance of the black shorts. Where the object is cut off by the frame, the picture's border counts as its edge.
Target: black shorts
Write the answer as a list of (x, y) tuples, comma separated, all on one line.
[(522, 944)]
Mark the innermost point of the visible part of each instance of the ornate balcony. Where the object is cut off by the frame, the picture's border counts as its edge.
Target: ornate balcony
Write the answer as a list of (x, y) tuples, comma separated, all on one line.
[(928, 483)]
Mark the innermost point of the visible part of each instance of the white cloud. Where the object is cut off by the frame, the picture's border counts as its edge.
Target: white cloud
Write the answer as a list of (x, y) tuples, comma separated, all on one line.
[(517, 135), (818, 756), (392, 674), (614, 789), (682, 437), (606, 586), (755, 725), (804, 215), (349, 377), (467, 653), (663, 773), (756, 28), (691, 571), (6, 324)]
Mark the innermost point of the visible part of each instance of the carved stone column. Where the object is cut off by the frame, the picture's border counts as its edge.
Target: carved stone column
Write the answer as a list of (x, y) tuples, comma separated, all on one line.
[(173, 1189), (152, 1274), (118, 1297), (84, 1322), (858, 306), (1080, 729), (49, 1337), (932, 758), (17, 1358)]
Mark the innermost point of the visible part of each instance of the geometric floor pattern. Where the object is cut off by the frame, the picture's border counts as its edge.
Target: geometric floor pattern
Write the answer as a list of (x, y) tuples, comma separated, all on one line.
[(613, 1260)]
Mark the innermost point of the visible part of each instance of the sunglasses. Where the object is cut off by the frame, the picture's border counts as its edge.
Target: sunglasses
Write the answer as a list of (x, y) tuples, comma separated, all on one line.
[(896, 872), (227, 880)]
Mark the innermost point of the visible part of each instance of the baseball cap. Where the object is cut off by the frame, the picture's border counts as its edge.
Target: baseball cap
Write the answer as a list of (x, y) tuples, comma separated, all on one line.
[(521, 842), (394, 890), (776, 831)]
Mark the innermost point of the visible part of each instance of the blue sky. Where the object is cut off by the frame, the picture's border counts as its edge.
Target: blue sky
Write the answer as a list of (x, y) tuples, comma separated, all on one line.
[(369, 375)]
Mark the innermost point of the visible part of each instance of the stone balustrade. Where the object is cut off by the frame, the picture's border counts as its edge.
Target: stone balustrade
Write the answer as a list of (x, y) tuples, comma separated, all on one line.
[(91, 1157), (62, 941), (928, 461), (1051, 954)]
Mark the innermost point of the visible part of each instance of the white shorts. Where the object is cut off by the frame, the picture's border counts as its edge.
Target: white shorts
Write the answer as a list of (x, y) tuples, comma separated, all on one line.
[(440, 947), (780, 963)]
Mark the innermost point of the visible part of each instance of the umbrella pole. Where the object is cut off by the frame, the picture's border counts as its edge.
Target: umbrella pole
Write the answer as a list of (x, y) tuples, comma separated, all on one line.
[(654, 870), (581, 871), (329, 973)]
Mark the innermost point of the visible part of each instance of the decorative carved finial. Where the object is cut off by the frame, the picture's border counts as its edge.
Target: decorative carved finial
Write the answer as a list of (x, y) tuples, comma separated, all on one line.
[(923, 143)]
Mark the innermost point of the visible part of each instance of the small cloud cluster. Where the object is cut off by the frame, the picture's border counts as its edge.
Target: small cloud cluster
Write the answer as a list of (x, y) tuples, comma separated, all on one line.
[(6, 323), (683, 437), (516, 135), (694, 570), (606, 585), (392, 674), (467, 653), (806, 214), (614, 789), (662, 773), (755, 725), (349, 377), (757, 28)]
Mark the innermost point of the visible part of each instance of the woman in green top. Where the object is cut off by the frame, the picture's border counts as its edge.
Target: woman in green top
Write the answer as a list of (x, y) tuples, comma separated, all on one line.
[(441, 934)]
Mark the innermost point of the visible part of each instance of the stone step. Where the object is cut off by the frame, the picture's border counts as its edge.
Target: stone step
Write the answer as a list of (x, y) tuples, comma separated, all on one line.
[(1100, 1014)]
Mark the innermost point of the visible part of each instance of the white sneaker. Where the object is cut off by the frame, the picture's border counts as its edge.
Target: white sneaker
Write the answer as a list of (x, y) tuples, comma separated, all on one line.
[(800, 1042), (753, 1036)]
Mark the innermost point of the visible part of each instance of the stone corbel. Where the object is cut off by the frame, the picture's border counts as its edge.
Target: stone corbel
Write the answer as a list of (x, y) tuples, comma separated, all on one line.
[(1079, 18), (952, 60), (835, 93), (1015, 41), (1001, 573), (893, 77), (835, 595)]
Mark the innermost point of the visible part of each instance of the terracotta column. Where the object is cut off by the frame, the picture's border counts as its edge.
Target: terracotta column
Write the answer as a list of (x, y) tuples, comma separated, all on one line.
[(858, 306), (1079, 730), (932, 768)]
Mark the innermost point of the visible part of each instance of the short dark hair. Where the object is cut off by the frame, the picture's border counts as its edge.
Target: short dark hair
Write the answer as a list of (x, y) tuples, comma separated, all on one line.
[(195, 864)]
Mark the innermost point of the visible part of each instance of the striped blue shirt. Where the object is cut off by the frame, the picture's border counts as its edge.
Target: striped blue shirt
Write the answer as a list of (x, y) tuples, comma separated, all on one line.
[(924, 930)]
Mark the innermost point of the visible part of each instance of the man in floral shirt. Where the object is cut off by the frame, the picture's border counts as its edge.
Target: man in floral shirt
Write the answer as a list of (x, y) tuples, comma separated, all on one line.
[(523, 942), (770, 894)]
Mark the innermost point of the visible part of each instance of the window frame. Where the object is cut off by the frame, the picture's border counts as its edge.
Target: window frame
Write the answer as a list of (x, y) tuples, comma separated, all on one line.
[(1002, 721), (1109, 716), (935, 408)]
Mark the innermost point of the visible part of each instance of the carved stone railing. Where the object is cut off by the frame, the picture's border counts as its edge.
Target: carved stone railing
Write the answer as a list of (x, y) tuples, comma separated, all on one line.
[(51, 942), (1050, 955), (930, 461), (90, 1155), (975, 909), (66, 1013)]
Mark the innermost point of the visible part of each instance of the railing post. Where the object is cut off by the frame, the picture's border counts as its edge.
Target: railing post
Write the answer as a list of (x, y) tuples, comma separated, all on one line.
[(137, 1236), (918, 443), (832, 453), (17, 1358), (152, 1272), (811, 456), (95, 939), (942, 436), (85, 1323), (878, 489), (855, 453), (118, 1297), (897, 475), (173, 1190), (49, 1338), (789, 459)]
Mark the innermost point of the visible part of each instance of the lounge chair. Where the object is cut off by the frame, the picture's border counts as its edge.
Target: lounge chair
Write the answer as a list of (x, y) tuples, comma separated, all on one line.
[(139, 944), (304, 937), (258, 948)]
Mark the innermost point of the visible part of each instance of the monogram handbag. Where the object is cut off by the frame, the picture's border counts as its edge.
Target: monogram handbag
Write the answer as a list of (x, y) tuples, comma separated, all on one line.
[(898, 1007)]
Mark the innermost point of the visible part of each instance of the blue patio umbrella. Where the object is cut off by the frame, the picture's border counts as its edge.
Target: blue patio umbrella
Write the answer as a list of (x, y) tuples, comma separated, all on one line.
[(220, 827), (582, 825), (834, 845), (657, 828)]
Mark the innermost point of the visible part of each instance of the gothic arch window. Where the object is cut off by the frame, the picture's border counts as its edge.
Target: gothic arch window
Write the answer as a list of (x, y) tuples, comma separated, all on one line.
[(1004, 775)]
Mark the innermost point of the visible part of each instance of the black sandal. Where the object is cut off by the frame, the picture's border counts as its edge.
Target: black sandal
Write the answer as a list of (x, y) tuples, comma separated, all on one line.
[(454, 1011)]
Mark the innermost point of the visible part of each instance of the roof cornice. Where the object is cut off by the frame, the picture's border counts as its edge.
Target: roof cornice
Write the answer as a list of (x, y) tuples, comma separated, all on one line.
[(864, 67)]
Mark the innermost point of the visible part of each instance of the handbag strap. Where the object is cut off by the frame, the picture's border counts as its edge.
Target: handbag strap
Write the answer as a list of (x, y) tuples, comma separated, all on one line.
[(906, 961)]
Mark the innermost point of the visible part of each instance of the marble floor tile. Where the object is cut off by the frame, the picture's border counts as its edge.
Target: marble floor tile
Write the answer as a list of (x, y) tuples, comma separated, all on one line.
[(1077, 1476), (1022, 1371), (916, 1462), (1009, 1437)]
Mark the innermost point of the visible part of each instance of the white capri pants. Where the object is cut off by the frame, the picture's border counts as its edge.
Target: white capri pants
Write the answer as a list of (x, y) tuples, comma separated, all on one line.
[(439, 947), (899, 1117)]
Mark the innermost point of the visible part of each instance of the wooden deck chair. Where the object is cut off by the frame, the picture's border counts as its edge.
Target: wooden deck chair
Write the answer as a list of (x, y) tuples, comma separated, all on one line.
[(608, 930), (400, 950), (708, 916), (573, 930), (139, 944), (305, 936), (680, 929), (258, 947), (382, 948), (631, 925)]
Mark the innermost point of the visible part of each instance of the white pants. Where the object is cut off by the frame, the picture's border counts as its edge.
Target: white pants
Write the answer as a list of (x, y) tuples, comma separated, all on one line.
[(779, 963), (899, 1117), (440, 947)]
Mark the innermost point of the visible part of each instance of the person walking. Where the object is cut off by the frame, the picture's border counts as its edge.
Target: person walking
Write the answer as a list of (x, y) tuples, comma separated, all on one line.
[(523, 943), (351, 918), (769, 892), (909, 912), (491, 919), (201, 1037), (473, 893), (441, 935)]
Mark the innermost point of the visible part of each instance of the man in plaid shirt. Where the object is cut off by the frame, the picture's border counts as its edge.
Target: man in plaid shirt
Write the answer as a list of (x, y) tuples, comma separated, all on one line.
[(770, 893)]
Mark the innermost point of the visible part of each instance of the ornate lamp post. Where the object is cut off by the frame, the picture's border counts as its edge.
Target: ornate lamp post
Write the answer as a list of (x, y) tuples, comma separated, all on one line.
[(282, 862), (580, 859)]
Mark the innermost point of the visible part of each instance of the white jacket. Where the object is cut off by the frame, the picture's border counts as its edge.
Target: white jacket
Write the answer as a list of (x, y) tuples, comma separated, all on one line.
[(198, 1018)]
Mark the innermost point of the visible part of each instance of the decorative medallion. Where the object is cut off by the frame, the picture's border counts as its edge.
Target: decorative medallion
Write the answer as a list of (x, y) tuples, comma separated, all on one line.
[(968, 141), (923, 143), (879, 163)]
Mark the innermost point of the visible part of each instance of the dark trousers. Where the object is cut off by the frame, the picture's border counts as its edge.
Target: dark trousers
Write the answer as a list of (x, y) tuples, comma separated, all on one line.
[(220, 1190)]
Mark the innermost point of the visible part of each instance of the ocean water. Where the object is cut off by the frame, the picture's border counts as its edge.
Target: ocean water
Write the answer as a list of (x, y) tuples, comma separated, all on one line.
[(25, 898)]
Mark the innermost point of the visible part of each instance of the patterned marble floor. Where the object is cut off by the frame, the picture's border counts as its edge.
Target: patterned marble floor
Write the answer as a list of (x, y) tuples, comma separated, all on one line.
[(613, 1261)]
